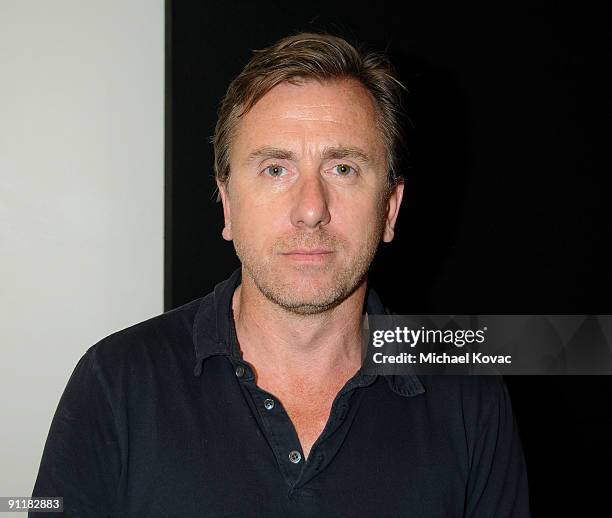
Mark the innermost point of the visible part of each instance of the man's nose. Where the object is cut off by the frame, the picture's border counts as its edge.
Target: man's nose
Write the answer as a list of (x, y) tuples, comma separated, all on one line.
[(311, 201)]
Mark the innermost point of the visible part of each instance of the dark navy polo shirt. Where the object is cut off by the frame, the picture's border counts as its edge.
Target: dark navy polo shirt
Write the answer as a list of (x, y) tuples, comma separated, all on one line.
[(165, 419)]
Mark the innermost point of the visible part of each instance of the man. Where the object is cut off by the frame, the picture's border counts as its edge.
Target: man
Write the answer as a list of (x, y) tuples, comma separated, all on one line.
[(251, 401)]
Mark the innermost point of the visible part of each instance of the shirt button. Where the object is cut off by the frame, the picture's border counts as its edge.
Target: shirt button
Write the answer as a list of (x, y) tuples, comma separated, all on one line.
[(295, 456), (240, 371), (269, 404)]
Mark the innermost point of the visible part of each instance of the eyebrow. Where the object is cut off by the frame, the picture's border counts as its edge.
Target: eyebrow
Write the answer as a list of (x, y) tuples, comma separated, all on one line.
[(329, 153), (340, 152), (271, 152)]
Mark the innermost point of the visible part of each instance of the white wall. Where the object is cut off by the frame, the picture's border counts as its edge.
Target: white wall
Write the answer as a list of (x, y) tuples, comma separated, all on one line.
[(81, 199)]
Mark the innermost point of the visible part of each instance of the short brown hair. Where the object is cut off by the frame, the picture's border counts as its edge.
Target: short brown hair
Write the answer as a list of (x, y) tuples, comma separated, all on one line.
[(312, 56)]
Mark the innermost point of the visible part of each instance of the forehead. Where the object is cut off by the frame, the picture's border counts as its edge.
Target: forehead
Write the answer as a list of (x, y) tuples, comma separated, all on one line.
[(311, 114)]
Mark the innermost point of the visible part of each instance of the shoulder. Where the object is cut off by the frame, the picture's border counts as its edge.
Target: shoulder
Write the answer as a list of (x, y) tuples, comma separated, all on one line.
[(477, 388), (163, 339), (472, 400)]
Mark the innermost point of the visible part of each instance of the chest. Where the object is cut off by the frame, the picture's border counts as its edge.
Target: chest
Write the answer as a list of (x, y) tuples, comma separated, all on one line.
[(308, 409), (309, 420), (181, 462)]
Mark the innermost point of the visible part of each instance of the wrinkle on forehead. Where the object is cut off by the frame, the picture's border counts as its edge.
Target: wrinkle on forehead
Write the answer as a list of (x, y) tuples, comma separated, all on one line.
[(309, 117), (301, 118), (291, 96), (308, 113)]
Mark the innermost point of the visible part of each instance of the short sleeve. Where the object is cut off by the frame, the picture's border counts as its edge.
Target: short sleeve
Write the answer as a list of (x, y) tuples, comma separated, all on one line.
[(81, 461), (497, 485)]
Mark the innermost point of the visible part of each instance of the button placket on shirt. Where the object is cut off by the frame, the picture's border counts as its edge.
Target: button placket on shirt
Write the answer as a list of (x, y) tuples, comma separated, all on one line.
[(332, 437), (282, 436), (280, 433)]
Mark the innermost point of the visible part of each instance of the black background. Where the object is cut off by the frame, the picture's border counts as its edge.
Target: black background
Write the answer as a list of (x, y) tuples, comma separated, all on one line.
[(505, 210)]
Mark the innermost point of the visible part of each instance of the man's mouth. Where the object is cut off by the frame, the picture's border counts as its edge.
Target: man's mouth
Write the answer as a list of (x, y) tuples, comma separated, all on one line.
[(308, 251), (308, 254)]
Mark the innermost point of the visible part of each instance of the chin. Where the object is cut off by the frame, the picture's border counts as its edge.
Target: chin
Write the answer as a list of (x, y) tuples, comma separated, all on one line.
[(307, 295), (302, 305)]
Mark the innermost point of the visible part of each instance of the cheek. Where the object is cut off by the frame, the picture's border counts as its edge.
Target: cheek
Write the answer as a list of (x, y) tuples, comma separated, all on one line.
[(256, 223), (359, 218)]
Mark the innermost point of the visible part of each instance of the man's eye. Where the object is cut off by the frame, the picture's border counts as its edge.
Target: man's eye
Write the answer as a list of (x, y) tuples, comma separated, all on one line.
[(344, 169), (274, 170)]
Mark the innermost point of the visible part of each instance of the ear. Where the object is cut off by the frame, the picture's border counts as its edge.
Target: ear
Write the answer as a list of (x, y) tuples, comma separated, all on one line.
[(392, 210), (227, 229)]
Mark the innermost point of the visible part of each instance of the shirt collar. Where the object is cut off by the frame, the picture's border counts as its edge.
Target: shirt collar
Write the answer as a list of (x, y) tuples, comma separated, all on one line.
[(212, 331)]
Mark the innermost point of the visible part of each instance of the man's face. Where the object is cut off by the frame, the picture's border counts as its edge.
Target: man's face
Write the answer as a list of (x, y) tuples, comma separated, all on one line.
[(305, 202)]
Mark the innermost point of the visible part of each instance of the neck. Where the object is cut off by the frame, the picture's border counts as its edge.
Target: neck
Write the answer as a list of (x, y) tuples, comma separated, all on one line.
[(293, 349)]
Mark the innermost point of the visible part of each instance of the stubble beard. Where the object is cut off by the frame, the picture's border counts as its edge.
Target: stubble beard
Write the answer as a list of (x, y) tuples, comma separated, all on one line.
[(301, 297)]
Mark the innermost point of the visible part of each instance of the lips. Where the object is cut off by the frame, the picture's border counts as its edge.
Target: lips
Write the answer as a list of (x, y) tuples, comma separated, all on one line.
[(308, 255), (312, 251)]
